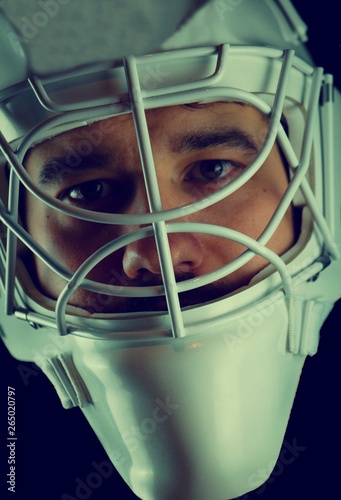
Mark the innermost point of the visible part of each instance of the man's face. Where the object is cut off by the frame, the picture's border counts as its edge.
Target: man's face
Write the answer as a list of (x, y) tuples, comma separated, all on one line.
[(197, 150)]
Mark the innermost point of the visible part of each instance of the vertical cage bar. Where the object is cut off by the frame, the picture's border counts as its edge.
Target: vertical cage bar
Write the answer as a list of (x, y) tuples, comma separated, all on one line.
[(154, 198)]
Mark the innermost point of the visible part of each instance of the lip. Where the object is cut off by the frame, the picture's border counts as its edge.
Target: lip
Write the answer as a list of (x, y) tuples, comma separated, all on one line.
[(192, 298)]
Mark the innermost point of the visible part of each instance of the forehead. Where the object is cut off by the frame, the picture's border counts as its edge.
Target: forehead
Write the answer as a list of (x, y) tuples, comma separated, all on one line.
[(163, 123)]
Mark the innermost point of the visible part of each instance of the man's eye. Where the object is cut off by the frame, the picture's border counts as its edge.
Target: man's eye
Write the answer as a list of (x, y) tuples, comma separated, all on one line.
[(214, 171), (99, 195), (88, 191)]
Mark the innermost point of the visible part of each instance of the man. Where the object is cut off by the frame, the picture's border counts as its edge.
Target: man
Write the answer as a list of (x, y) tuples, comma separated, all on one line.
[(183, 349)]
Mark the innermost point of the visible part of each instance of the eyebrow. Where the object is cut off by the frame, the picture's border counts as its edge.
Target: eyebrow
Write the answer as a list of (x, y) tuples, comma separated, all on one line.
[(232, 137), (55, 170)]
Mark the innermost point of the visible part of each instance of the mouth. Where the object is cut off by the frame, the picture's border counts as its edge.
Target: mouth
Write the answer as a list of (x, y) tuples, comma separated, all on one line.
[(125, 305)]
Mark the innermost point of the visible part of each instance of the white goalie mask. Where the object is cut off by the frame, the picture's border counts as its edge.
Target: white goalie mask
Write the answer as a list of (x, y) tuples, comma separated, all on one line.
[(187, 377)]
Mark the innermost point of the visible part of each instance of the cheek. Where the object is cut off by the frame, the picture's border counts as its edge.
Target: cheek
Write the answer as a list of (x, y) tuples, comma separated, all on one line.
[(73, 247), (248, 211), (57, 240), (70, 241)]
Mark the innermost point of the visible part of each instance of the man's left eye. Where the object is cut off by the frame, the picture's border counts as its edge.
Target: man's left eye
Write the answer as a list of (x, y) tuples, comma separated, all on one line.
[(214, 170)]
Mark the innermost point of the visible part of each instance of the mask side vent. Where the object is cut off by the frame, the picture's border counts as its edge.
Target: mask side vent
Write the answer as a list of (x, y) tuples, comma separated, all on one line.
[(65, 378)]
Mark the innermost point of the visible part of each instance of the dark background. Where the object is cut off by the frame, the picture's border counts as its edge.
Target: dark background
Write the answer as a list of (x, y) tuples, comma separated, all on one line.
[(324, 31), (55, 446)]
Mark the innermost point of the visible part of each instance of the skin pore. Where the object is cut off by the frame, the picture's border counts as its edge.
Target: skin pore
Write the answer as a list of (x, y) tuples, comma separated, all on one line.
[(197, 150)]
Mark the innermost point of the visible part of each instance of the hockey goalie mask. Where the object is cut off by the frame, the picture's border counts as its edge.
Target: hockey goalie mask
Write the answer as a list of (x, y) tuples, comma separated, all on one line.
[(168, 253)]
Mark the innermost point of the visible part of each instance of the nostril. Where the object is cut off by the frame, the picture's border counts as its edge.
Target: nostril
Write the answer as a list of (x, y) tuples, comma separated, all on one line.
[(184, 267), (141, 260)]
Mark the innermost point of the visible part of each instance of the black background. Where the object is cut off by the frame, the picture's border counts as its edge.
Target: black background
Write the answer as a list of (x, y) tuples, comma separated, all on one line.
[(324, 32), (55, 447)]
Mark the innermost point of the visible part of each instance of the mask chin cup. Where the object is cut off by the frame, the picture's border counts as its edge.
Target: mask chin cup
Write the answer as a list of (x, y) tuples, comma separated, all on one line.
[(154, 406), (139, 399)]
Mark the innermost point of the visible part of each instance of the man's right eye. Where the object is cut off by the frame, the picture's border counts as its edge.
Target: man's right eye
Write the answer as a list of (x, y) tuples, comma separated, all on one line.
[(89, 191), (103, 195)]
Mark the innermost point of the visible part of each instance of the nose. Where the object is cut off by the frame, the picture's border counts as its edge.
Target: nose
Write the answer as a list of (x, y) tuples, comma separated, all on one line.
[(141, 259)]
